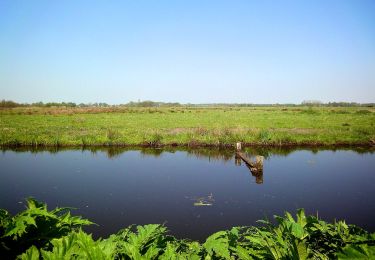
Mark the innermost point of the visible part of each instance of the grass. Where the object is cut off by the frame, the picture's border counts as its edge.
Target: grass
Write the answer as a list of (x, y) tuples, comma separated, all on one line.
[(214, 126), (37, 233)]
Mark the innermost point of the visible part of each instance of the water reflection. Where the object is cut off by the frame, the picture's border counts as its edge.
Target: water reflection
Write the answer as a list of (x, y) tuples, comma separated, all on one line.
[(255, 166), (194, 191), (213, 153)]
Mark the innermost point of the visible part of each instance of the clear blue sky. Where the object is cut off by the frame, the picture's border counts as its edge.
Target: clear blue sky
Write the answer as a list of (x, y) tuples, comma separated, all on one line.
[(187, 51)]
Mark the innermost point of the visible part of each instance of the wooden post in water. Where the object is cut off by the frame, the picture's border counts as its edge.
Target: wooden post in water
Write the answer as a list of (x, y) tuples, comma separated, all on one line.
[(259, 169), (256, 168), (259, 161), (245, 159), (237, 160)]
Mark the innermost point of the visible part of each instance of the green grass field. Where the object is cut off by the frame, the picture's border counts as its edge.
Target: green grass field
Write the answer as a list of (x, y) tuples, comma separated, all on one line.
[(187, 126)]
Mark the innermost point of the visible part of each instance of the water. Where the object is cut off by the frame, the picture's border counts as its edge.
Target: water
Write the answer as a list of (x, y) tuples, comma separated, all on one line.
[(116, 188)]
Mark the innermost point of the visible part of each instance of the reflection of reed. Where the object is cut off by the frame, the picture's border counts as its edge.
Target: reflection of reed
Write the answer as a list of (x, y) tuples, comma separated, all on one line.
[(114, 152), (209, 153), (155, 152)]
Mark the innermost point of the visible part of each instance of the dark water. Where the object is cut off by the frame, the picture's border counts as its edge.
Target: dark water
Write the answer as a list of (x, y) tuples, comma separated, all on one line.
[(116, 188)]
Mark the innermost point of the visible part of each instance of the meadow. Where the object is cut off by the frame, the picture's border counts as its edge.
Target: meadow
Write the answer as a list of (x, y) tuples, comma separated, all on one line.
[(187, 126)]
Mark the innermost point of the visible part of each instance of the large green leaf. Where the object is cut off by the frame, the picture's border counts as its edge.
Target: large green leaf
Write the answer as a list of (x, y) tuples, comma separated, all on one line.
[(298, 231), (301, 217), (63, 248), (218, 245), (357, 252), (31, 254), (18, 227)]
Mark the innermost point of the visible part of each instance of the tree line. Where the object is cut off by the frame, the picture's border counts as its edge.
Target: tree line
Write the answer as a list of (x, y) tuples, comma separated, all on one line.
[(12, 104), (148, 103)]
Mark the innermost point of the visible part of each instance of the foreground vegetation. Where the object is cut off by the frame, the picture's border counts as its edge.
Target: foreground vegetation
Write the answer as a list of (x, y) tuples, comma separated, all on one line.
[(191, 126), (37, 233)]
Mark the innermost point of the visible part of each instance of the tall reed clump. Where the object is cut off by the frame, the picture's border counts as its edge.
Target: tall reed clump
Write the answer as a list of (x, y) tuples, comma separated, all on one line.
[(264, 136), (152, 139), (37, 233), (112, 135), (225, 136)]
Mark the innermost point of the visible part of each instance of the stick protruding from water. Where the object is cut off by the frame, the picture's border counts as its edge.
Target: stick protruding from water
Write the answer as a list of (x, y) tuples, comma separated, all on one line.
[(238, 146)]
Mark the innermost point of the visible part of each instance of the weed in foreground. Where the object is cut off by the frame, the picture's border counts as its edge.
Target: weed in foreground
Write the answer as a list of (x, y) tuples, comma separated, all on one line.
[(37, 233)]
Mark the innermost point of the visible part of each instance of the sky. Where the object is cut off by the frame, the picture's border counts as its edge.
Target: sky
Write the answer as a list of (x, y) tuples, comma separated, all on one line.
[(201, 51)]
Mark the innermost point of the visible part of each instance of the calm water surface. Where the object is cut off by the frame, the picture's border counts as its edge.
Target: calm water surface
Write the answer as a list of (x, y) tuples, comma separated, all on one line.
[(116, 188)]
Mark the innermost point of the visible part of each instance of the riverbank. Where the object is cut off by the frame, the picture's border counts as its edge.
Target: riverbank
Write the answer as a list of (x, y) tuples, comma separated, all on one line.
[(184, 126)]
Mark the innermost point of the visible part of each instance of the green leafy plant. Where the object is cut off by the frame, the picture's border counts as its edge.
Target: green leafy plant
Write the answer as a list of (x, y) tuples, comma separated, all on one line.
[(37, 233), (35, 226)]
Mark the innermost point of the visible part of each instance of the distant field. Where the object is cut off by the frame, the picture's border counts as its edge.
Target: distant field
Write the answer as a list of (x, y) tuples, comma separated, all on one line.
[(187, 126)]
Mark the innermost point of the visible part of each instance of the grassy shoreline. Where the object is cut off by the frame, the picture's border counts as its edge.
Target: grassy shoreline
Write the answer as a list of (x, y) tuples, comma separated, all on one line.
[(194, 145), (184, 126)]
